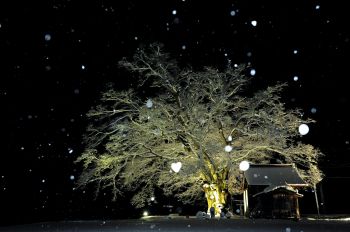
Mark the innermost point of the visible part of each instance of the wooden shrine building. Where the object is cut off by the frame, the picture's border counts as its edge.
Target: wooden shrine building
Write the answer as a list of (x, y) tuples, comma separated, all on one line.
[(271, 191)]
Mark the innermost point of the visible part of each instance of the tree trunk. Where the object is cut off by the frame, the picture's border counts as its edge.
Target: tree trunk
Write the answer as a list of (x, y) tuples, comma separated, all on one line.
[(216, 197)]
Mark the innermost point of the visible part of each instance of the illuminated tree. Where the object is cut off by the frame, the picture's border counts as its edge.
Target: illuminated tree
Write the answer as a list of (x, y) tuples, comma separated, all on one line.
[(207, 120)]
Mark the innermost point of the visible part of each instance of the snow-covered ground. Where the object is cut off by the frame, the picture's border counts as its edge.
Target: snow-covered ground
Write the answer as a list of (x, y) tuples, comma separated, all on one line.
[(176, 224), (338, 217)]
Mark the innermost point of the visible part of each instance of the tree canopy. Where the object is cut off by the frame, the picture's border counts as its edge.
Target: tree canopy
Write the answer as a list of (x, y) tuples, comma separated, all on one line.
[(190, 117)]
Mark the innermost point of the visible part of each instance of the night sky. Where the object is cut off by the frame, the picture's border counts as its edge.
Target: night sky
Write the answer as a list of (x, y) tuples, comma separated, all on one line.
[(58, 55)]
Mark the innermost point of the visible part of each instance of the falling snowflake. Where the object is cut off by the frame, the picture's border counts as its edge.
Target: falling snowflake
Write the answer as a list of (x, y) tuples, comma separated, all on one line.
[(303, 129), (47, 37), (228, 148), (252, 72), (244, 165), (149, 103)]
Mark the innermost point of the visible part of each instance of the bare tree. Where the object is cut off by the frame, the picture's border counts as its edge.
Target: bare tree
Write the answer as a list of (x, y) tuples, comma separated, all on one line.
[(190, 118)]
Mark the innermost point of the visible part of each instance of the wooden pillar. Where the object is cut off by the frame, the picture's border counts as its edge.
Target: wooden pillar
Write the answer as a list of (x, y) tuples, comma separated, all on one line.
[(323, 206), (316, 199), (245, 201), (297, 212)]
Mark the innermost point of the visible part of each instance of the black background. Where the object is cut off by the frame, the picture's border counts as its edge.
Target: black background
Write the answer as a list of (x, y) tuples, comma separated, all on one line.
[(45, 92)]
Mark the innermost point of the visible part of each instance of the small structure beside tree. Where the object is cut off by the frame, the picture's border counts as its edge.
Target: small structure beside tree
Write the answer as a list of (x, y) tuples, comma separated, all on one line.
[(271, 190)]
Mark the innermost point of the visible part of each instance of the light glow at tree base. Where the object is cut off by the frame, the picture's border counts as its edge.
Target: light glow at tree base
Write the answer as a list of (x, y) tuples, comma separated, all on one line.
[(216, 197)]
